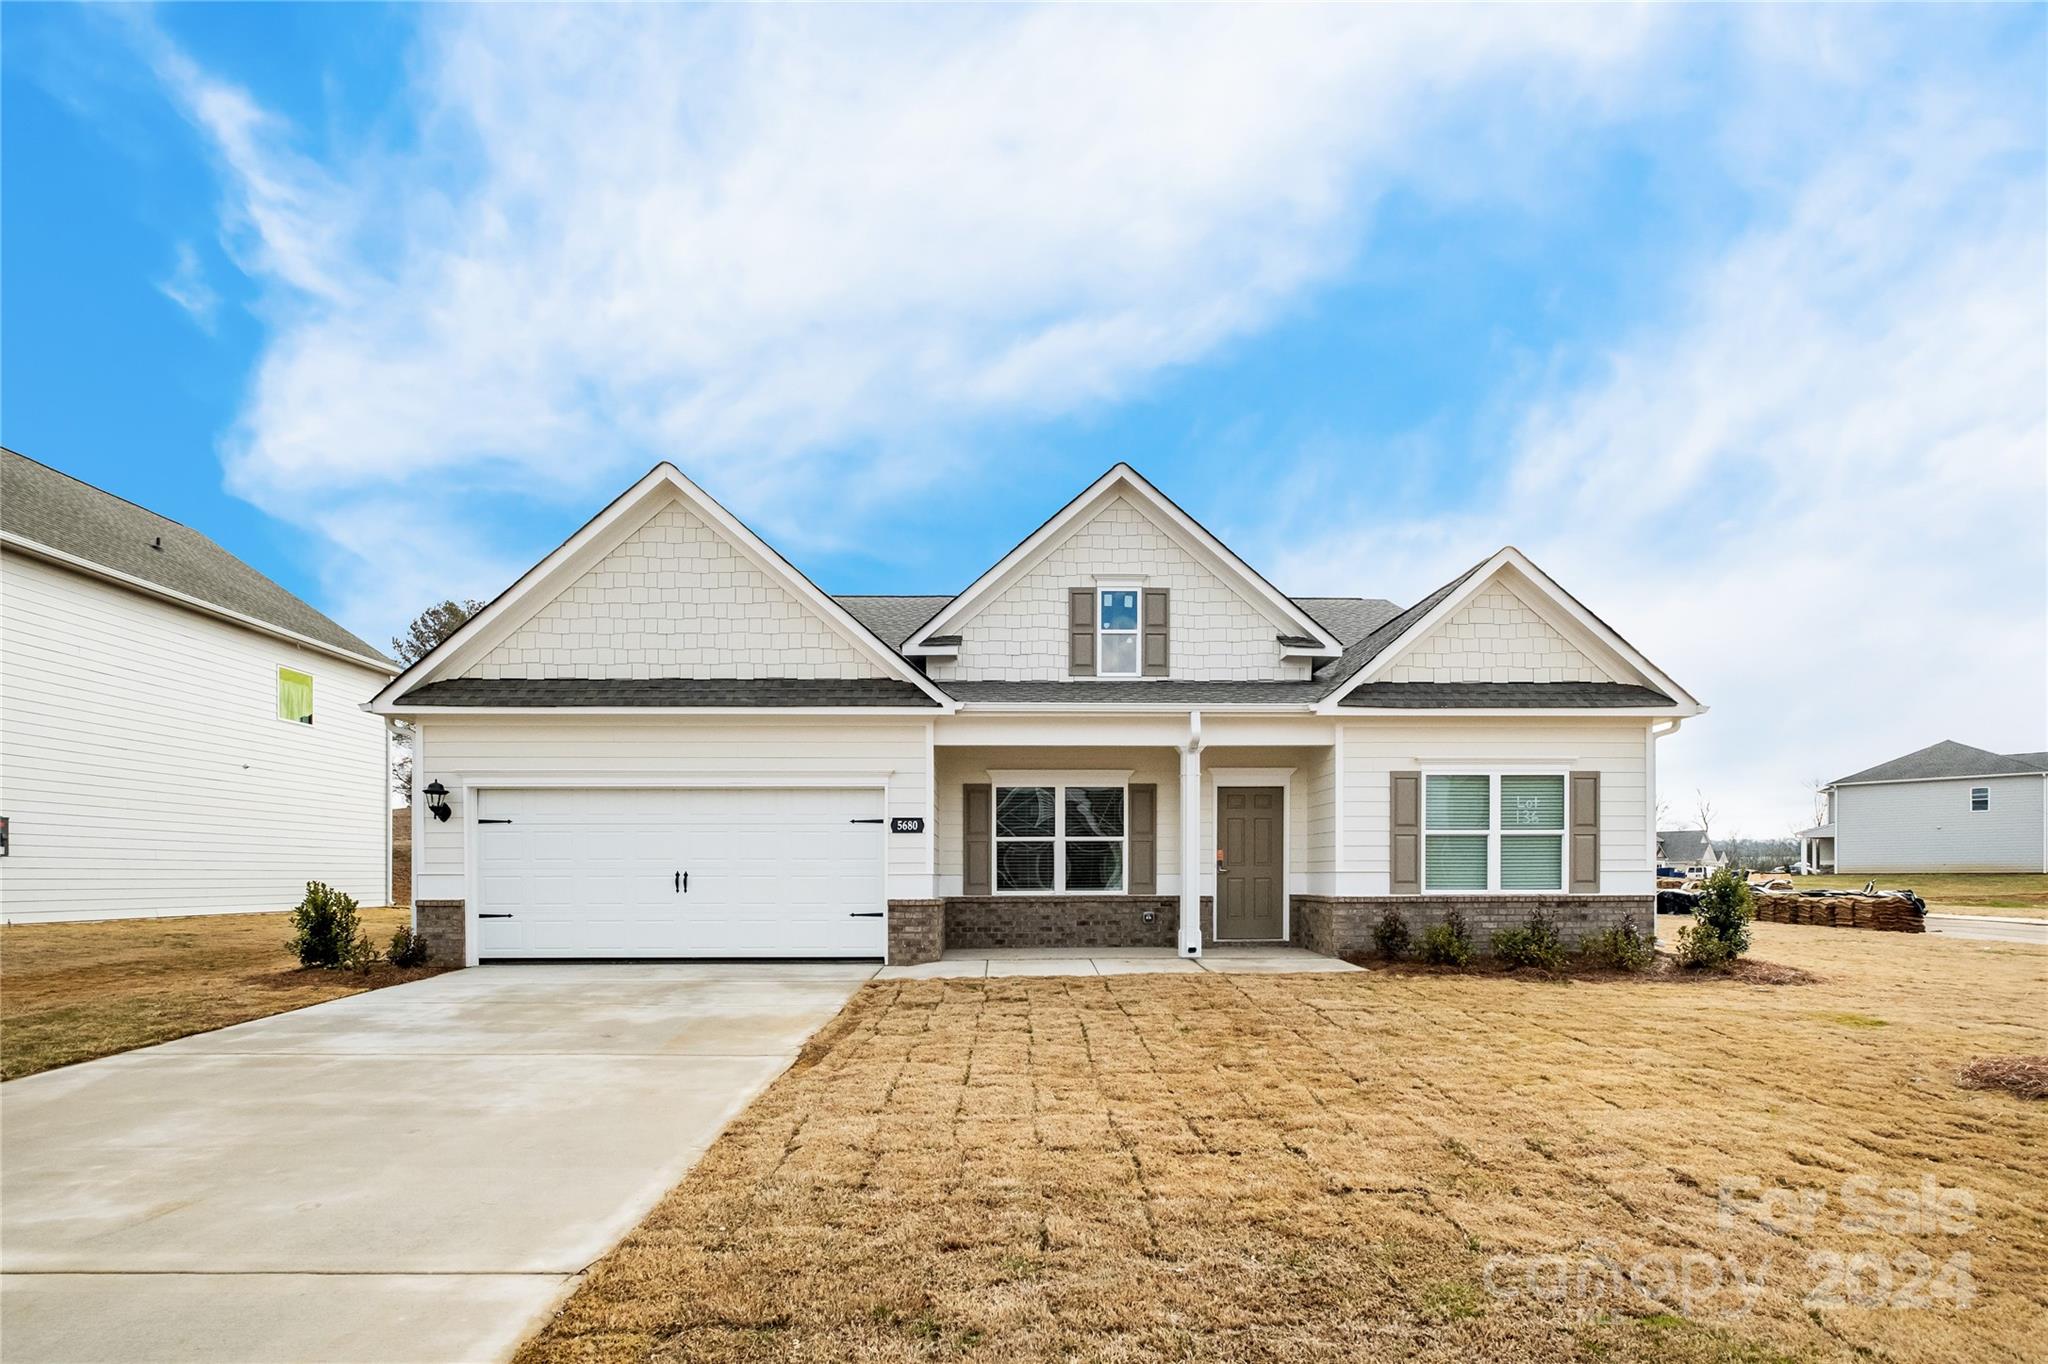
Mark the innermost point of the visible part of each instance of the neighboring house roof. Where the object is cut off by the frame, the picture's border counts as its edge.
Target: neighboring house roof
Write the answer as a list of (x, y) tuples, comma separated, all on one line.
[(1683, 845), (737, 693), (47, 512), (1949, 759)]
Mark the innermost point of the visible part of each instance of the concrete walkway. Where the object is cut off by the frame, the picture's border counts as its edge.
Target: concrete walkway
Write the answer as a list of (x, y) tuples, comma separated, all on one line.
[(1112, 961), (1989, 928), (412, 1175)]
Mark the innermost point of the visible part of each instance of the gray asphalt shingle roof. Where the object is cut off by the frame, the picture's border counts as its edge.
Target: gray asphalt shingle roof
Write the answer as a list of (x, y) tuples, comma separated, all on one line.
[(766, 693), (53, 509), (1682, 845), (1503, 695), (1950, 759)]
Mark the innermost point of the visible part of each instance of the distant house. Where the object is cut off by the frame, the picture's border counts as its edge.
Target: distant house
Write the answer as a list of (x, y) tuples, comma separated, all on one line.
[(1947, 807), (1687, 848), (179, 735)]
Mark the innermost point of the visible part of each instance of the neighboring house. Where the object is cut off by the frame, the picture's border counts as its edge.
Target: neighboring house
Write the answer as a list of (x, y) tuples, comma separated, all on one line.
[(1947, 807), (663, 740), (1687, 849), (178, 734)]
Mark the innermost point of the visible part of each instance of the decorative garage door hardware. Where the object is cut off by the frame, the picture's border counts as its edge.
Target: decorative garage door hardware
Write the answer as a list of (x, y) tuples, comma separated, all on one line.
[(493, 916), (494, 821), (682, 883), (865, 914), (864, 821), (903, 824)]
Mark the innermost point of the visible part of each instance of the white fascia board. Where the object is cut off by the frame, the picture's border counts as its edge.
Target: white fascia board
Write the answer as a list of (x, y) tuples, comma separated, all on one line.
[(1555, 597), (37, 550), (1511, 712), (483, 631), (1113, 712), (1189, 533)]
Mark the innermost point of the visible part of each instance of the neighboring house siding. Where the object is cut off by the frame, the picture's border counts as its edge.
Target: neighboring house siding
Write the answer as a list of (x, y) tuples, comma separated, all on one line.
[(1496, 637), (144, 771), (1021, 635), (685, 750), (675, 599), (1929, 826), (1614, 748)]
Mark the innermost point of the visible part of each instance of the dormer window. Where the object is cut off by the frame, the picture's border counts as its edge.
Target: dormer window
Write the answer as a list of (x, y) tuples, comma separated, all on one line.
[(1116, 633)]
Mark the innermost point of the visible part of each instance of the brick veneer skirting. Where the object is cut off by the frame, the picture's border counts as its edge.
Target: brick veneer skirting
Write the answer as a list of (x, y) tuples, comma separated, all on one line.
[(917, 931), (443, 923), (1062, 921), (1342, 925)]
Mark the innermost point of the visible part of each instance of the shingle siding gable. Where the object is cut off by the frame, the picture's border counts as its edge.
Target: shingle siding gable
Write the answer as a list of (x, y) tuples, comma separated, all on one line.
[(674, 599), (1021, 634), (1496, 637)]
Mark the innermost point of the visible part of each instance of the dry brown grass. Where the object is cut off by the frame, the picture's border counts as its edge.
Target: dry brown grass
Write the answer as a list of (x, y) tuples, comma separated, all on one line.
[(1320, 1168), (71, 992), (2026, 1076)]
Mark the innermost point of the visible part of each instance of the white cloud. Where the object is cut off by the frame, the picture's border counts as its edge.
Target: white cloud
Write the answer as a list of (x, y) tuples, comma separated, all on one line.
[(777, 245), (1815, 496), (186, 286)]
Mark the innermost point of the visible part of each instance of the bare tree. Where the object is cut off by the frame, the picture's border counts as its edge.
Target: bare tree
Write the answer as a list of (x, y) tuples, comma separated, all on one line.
[(1703, 811), (421, 638), (1663, 812)]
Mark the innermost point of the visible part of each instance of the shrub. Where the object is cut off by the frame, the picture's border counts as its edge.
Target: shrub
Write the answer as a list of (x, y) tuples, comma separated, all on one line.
[(1535, 944), (1719, 932), (1447, 943), (1390, 935), (1622, 949), (407, 948), (326, 931)]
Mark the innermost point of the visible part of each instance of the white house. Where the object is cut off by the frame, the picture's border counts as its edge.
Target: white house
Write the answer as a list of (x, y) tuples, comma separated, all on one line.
[(178, 734), (664, 741), (1687, 849), (1946, 807)]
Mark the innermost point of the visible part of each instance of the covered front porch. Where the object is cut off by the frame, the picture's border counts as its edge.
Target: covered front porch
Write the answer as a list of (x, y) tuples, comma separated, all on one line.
[(1151, 841)]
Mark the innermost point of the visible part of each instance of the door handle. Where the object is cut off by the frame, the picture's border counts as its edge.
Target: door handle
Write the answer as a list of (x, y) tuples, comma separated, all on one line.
[(682, 883), (679, 883)]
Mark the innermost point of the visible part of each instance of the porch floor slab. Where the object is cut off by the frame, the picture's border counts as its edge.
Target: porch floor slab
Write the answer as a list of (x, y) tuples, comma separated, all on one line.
[(982, 963)]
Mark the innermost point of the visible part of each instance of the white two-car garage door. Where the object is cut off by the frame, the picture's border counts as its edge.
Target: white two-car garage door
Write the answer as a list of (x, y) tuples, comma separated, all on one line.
[(726, 872)]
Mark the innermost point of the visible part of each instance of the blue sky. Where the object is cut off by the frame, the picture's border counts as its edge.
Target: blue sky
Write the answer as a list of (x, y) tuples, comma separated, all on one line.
[(1733, 318)]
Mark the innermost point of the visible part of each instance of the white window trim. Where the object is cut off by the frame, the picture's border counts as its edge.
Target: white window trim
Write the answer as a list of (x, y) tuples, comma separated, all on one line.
[(1975, 792), (1137, 635), (277, 697), (1494, 832), (1058, 781)]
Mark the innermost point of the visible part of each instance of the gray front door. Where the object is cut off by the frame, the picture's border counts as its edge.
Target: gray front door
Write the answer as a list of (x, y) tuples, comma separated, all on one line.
[(1249, 872)]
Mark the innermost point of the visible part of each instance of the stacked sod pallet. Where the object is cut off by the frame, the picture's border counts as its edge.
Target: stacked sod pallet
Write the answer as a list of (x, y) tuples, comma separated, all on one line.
[(1891, 912)]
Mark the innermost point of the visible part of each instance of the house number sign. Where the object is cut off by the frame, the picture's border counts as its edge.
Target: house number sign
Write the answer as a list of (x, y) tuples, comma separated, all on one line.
[(906, 825)]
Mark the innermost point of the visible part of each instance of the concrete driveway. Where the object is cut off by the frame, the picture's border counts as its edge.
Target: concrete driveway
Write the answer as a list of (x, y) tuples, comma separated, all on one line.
[(412, 1175)]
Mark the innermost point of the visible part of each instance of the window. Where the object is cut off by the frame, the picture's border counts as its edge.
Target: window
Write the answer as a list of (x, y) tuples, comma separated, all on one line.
[(1116, 635), (1980, 798), (1493, 831), (294, 696), (1054, 839)]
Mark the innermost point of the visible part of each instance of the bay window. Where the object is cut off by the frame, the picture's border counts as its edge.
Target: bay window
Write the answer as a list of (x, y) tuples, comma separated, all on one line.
[(1493, 831), (1054, 839)]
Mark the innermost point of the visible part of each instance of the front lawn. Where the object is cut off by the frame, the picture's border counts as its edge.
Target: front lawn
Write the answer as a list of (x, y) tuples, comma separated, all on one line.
[(71, 992), (1360, 1167), (2021, 895)]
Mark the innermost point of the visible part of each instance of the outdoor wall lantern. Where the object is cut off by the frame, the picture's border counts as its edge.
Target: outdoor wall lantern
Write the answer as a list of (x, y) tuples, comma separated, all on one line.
[(437, 801)]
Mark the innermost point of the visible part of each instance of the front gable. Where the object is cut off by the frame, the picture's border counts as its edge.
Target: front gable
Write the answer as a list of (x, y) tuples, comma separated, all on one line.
[(663, 600), (1221, 620), (675, 599), (1497, 636)]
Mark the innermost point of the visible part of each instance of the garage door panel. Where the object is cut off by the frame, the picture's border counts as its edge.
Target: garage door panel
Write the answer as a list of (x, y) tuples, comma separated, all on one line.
[(591, 872)]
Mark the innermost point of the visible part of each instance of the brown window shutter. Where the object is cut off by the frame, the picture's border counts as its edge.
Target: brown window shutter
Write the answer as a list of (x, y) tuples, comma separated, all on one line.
[(976, 857), (1156, 625), (1142, 824), (1404, 820), (1585, 833), (1081, 632)]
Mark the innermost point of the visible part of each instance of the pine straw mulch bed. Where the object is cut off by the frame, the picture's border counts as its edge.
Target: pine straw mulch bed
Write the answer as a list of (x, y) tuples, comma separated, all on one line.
[(1321, 1167), (72, 992), (1664, 970)]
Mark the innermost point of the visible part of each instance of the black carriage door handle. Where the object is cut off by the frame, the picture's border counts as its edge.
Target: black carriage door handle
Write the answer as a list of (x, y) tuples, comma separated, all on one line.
[(682, 883)]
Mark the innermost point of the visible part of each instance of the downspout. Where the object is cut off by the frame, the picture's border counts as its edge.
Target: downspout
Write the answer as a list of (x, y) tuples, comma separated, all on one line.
[(1190, 838)]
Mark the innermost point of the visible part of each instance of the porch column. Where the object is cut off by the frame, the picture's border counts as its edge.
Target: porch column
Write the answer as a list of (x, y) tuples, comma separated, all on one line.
[(1191, 838)]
